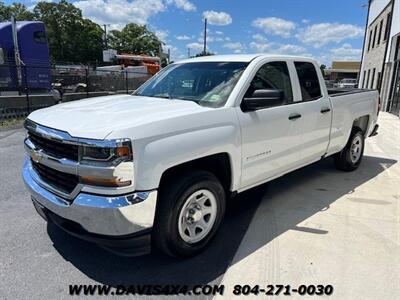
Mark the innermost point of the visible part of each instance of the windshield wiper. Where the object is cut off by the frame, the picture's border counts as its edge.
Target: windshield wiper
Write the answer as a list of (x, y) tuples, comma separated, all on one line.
[(199, 102), (163, 96)]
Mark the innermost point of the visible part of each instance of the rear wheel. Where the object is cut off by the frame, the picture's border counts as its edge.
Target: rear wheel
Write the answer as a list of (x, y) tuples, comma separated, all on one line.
[(189, 213), (80, 89), (350, 157)]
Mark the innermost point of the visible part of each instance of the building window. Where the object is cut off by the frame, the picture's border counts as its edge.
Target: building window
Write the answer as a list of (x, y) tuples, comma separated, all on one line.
[(380, 32), (379, 81), (373, 41), (395, 82), (397, 52), (369, 40), (364, 77), (387, 29), (372, 79), (369, 73)]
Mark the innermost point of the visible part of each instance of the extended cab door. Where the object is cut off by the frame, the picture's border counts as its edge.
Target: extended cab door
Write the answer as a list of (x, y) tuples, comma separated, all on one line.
[(270, 136), (316, 112)]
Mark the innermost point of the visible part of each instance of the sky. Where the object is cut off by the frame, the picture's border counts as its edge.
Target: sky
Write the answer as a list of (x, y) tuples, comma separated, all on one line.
[(323, 29)]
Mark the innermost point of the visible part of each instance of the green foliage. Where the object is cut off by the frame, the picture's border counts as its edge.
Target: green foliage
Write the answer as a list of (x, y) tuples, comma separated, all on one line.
[(91, 42), (18, 10), (73, 38), (323, 68), (136, 39)]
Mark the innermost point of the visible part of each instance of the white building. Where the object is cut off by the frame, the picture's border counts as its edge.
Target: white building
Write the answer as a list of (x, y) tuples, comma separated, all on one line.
[(380, 67)]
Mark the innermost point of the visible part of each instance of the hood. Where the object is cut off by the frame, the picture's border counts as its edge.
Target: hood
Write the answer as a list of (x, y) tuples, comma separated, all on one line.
[(96, 118)]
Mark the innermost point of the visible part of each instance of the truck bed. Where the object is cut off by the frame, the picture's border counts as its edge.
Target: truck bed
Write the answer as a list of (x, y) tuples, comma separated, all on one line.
[(333, 92)]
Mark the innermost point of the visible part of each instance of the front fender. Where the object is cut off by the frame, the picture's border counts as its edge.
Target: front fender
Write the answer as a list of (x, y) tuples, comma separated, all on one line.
[(159, 155)]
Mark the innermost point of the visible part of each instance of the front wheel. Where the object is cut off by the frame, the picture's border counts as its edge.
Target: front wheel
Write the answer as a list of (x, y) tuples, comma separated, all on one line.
[(350, 157), (189, 213)]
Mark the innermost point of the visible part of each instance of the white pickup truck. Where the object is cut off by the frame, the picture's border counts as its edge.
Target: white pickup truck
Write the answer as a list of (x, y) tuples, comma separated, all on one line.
[(157, 167)]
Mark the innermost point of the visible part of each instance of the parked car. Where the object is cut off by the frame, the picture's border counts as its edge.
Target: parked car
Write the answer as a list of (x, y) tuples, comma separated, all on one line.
[(348, 83), (330, 83), (158, 167)]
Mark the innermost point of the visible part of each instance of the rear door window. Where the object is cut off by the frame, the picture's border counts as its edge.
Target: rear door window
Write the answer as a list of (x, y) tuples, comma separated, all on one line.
[(309, 82)]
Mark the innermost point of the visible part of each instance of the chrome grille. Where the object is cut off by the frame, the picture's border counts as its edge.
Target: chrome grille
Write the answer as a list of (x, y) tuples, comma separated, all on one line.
[(64, 182), (54, 148)]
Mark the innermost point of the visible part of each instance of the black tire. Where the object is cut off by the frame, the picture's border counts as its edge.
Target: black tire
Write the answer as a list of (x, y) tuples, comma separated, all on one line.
[(80, 89), (172, 196), (343, 160)]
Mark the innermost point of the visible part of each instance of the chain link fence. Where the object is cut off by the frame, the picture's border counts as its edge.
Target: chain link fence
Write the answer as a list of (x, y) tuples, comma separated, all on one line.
[(27, 88)]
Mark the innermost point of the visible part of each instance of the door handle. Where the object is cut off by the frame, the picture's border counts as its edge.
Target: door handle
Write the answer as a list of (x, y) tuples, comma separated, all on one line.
[(294, 116), (325, 110)]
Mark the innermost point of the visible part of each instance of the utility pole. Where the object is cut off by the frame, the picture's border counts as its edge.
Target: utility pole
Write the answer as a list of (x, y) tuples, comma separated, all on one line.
[(205, 36), (105, 35), (188, 52), (169, 55), (160, 52), (18, 62)]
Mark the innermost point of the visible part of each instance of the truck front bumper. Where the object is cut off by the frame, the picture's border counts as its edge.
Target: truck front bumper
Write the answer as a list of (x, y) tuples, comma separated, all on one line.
[(106, 220)]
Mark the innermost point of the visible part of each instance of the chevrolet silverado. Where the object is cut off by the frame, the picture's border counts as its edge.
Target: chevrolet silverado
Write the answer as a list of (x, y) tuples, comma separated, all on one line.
[(158, 166)]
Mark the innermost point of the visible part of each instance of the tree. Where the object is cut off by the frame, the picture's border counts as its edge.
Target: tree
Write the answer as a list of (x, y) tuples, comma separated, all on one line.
[(90, 40), (18, 10), (71, 37), (136, 39), (207, 53), (323, 68)]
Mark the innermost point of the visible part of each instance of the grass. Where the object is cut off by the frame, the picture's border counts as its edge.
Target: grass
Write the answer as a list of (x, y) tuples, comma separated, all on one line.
[(4, 124)]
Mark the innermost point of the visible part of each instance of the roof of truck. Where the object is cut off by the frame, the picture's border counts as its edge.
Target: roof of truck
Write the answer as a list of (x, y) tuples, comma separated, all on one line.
[(237, 58), (20, 24)]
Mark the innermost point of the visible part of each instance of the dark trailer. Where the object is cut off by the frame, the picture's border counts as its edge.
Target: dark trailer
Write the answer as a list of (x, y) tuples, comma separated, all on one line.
[(32, 70)]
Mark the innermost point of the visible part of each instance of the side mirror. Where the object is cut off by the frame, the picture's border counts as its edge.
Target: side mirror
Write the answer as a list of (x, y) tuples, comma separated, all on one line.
[(262, 99)]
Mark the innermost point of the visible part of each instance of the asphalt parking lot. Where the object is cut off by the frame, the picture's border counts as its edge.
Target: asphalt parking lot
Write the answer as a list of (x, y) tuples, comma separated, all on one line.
[(316, 225)]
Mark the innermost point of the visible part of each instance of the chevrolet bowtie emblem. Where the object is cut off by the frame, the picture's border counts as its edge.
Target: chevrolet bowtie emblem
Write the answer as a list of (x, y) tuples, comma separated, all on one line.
[(36, 156)]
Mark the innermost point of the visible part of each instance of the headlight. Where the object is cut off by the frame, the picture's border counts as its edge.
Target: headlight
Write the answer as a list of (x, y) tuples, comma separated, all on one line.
[(112, 160), (107, 151), (96, 153), (106, 154)]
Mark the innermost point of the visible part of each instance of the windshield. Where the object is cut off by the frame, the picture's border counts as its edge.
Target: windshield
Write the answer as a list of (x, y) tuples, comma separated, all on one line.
[(206, 83)]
